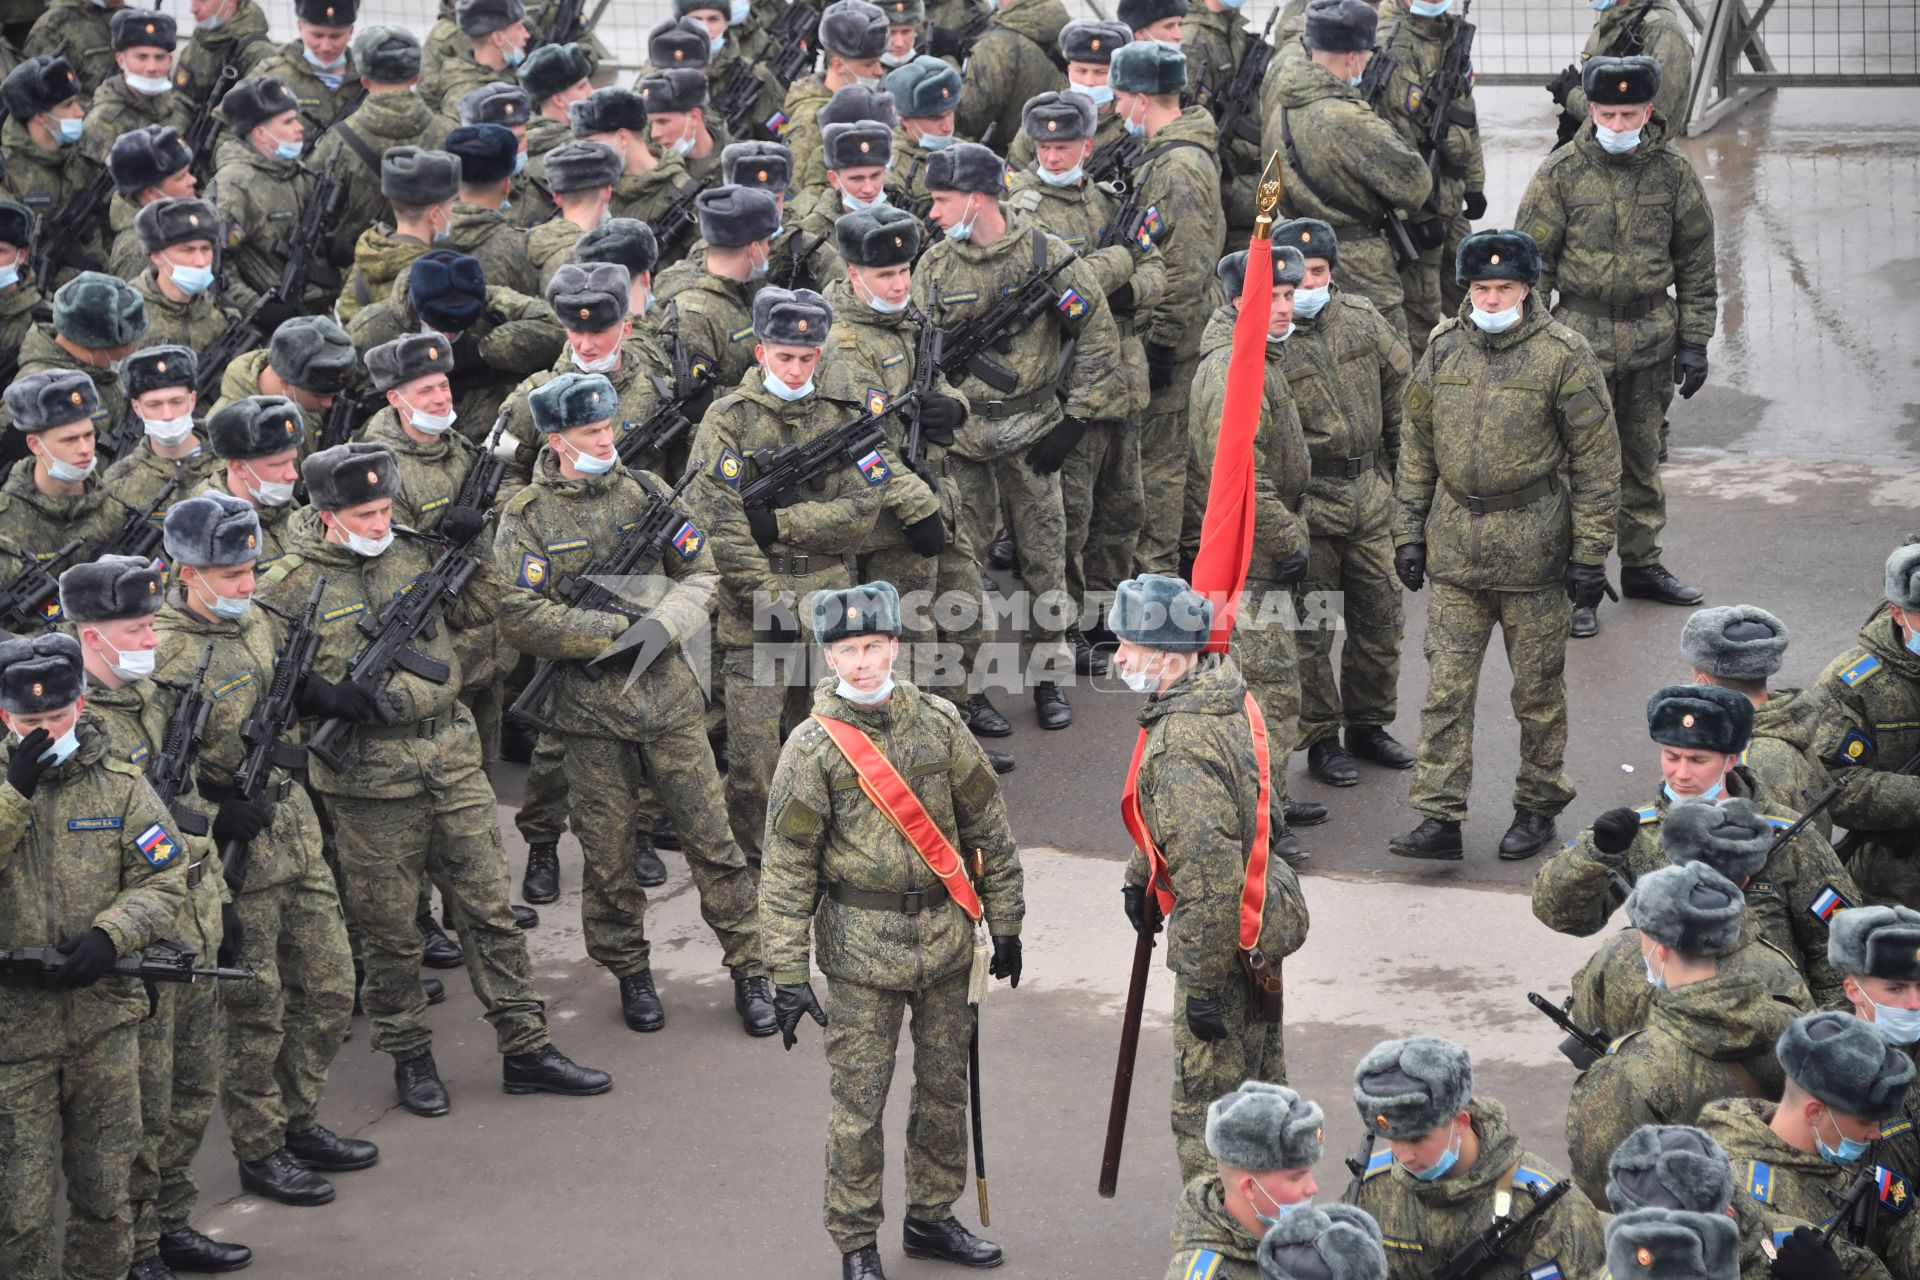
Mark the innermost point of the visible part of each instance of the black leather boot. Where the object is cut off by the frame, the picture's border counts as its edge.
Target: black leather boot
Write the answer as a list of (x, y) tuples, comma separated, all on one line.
[(1287, 845), (441, 952), (417, 1081), (862, 1264), (665, 835), (985, 720), (150, 1268), (278, 1176), (640, 1003), (1584, 622), (524, 917), (1001, 761), (322, 1148), (1328, 761), (1050, 705), (1000, 551), (189, 1250), (547, 1070), (1434, 839), (647, 867), (434, 989), (1374, 744), (541, 884), (1305, 813), (753, 1001), (1527, 836), (948, 1242), (1656, 582), (1087, 660)]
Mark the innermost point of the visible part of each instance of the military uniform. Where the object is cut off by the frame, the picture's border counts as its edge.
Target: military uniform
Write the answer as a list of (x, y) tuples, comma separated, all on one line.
[(1781, 758), (41, 523), (321, 104), (648, 195), (1012, 61), (195, 323), (138, 477), (799, 131), (1216, 44), (498, 244), (1612, 997), (241, 43), (1651, 27), (380, 257), (1207, 1240), (117, 109), (1873, 691), (261, 197), (381, 121), (453, 78), (274, 525), (46, 182), (82, 33), (714, 317), (39, 353)]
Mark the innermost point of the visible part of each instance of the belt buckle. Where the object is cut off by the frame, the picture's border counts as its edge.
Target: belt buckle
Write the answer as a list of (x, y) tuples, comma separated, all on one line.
[(285, 789), (913, 902), (426, 728), (1357, 467), (797, 565), (196, 872), (1475, 506)]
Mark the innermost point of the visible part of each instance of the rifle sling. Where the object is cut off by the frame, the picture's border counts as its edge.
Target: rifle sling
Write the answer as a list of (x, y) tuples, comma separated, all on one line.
[(357, 145), (1371, 221)]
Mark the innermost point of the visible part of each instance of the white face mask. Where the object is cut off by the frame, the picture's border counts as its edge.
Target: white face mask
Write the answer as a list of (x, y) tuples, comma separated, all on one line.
[(434, 424), (782, 391), (268, 493), (878, 695), (738, 10), (1615, 142), (168, 431), (152, 86), (1496, 321), (130, 664), (9, 276), (1070, 178), (67, 473), (1308, 303), (854, 204), (368, 547), (1102, 94), (604, 364), (1275, 339), (878, 303), (896, 59), (864, 82), (590, 464), (684, 144), (1140, 681)]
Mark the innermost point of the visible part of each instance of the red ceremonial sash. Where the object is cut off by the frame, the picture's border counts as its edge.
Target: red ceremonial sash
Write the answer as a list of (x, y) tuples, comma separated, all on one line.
[(894, 798), (1253, 892)]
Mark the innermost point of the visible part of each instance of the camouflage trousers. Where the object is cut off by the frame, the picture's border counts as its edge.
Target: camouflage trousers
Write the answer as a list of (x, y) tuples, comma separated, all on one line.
[(1640, 400), (943, 673), (1203, 1070), (1105, 501), (388, 849), (178, 1090), (764, 700), (1036, 514), (863, 1042), (86, 1107), (284, 1027), (1361, 570), (1420, 283), (606, 779), (1263, 644), (1533, 627), (1164, 450), (542, 818)]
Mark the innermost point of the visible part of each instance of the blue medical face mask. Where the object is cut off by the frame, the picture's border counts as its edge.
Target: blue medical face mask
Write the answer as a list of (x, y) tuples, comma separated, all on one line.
[(513, 57), (284, 149), (758, 270), (715, 44), (1913, 633), (1279, 1210), (189, 280), (1902, 1026), (1233, 4), (591, 464), (9, 276), (781, 391), (1308, 303), (1102, 94), (318, 65), (519, 167), (222, 607), (1441, 1167), (67, 131), (1846, 1153), (1616, 142), (963, 229), (1134, 128), (1495, 322), (67, 473), (878, 303), (936, 141), (1711, 793), (1429, 8), (1068, 179), (1601, 6), (738, 10)]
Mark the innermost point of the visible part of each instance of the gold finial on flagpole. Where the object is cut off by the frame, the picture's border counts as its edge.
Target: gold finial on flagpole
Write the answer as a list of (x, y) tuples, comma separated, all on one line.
[(1267, 199)]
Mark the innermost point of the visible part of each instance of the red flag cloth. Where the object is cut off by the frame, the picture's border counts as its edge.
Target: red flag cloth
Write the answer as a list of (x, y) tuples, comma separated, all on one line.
[(1226, 534)]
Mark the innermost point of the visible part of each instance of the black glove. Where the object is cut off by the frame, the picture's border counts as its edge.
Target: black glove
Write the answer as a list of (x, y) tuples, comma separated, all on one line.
[(928, 535), (765, 525), (1050, 452), (1160, 363), (240, 819), (340, 249), (1006, 960), (232, 937), (944, 42), (461, 525), (1562, 84), (1134, 896), (1410, 565), (1475, 205), (790, 1000), (1204, 1020), (89, 956), (1613, 831), (467, 358), (27, 765), (274, 314), (940, 417), (322, 699), (1587, 584), (646, 640), (1120, 301), (1565, 130), (1689, 368), (1290, 568), (1804, 1255)]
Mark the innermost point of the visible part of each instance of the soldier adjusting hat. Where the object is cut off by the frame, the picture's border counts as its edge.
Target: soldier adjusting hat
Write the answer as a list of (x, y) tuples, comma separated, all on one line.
[(1700, 717), (854, 29), (16, 224), (572, 399), (1058, 117), (1903, 577), (327, 13), (312, 353), (1288, 268), (395, 364), (966, 166), (925, 87), (1735, 642), (766, 165), (608, 110), (38, 85), (1093, 43), (387, 55), (448, 289), (868, 609), (169, 221), (791, 317), (862, 144), (626, 241), (141, 28), (1405, 1089), (1340, 26), (1150, 67), (1731, 835), (1260, 1127), (415, 176), (152, 368), (146, 157), (734, 217), (256, 427), (1160, 611), (40, 674), (879, 237), (857, 102), (111, 588), (477, 18), (1846, 1063), (1876, 942), (254, 101), (1498, 255), (589, 297), (1673, 1244), (1323, 1242), (552, 68), (496, 103), (583, 166), (1138, 15), (1312, 237), (1692, 908), (684, 42), (51, 398), (676, 89), (1621, 82), (212, 531), (349, 475), (1669, 1166), (485, 152)]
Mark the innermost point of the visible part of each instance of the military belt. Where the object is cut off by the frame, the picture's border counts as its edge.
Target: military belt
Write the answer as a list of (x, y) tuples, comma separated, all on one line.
[(418, 729), (911, 904), (1636, 310), (196, 872), (1481, 505), (1343, 468), (797, 565), (997, 409)]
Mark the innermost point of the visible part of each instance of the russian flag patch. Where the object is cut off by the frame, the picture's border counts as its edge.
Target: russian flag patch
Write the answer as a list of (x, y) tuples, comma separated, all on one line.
[(874, 468), (1071, 304), (1829, 902), (1546, 1271), (776, 122), (688, 541), (1150, 226), (156, 846), (1893, 1189)]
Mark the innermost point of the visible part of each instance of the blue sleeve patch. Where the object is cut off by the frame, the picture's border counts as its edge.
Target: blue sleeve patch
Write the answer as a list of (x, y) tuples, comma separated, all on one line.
[(727, 470), (1377, 1164), (1532, 1180), (971, 295), (688, 541), (1856, 746), (51, 610), (893, 359), (1205, 1266), (533, 572), (1828, 904), (1648, 813), (740, 335), (1760, 1181), (136, 755), (93, 824), (1759, 888), (156, 846), (1776, 822), (1894, 1192), (1895, 1129), (876, 399), (1860, 670)]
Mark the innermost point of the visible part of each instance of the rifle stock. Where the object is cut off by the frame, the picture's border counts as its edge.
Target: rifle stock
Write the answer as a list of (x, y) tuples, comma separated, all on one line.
[(23, 600)]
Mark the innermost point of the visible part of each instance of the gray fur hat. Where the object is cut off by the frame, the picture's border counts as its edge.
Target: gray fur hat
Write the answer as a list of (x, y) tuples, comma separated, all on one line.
[(862, 144), (1340, 26), (1734, 642), (138, 28), (1903, 577), (256, 427), (905, 13), (1150, 67), (1312, 237), (151, 368), (1700, 717), (927, 86), (410, 356), (171, 220), (16, 222), (628, 242), (582, 166), (1094, 43), (1405, 1089), (1875, 942), (1691, 908), (867, 609), (682, 42), (1058, 117), (1621, 82), (254, 101), (572, 399), (1846, 1063), (734, 217), (966, 166), (1260, 1126), (1494, 254), (1138, 15), (1288, 268), (387, 55), (589, 297), (211, 531), (98, 311), (675, 89), (1160, 611), (606, 110), (477, 18), (415, 176), (854, 29), (1731, 835), (766, 165), (857, 102), (1673, 1244), (1669, 1166), (313, 353), (111, 588), (879, 237), (349, 475), (38, 85), (1323, 1242), (51, 398), (553, 68), (146, 157), (497, 102), (40, 673), (791, 317), (485, 151)]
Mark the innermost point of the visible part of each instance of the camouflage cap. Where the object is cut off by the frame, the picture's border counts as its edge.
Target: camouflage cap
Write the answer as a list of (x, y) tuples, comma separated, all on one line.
[(857, 102), (766, 165), (141, 29), (589, 297), (925, 87), (38, 85), (882, 236), (1847, 1064), (1735, 642), (867, 609), (387, 55), (211, 531), (553, 68), (1056, 116), (1405, 1089), (1288, 268), (1093, 43), (1903, 577), (583, 166), (1312, 237), (1876, 942), (254, 101), (608, 110), (1160, 611), (861, 145), (477, 18), (572, 399), (169, 221), (350, 475), (1621, 82), (1692, 908), (99, 311), (1669, 1166), (791, 317), (968, 167), (853, 29), (112, 588), (1260, 1127), (16, 224), (1340, 26), (1138, 15), (1150, 67), (327, 13), (683, 42), (256, 427), (146, 157), (734, 217), (40, 673), (1497, 255), (626, 241), (1700, 717), (1323, 1242), (155, 368), (1732, 835), (677, 89), (485, 152), (496, 103), (406, 358), (312, 353), (415, 176)]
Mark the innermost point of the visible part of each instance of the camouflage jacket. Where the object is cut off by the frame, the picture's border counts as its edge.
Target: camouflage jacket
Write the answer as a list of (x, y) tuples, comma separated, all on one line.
[(647, 195), (442, 86), (443, 41), (1021, 154), (549, 247), (800, 131), (1758, 1223), (274, 521), (46, 182), (1199, 795), (824, 265), (138, 478), (822, 829), (320, 105), (1618, 232), (1612, 997), (1418, 46), (241, 43), (82, 33), (1280, 457), (1013, 61), (126, 256), (382, 120), (1780, 756), (40, 350), (1494, 414), (92, 849), (908, 171), (261, 198), (195, 323), (1652, 27), (714, 317), (1207, 1240), (380, 257), (1426, 1223), (1872, 692), (669, 281), (1216, 44), (21, 308), (1577, 889), (641, 361), (117, 109), (41, 523), (1703, 1040), (1179, 174), (499, 245)]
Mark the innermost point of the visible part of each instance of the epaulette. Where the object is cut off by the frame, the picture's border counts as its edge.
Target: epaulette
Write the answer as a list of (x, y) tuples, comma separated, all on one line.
[(1205, 1265), (283, 568), (1532, 1179), (1648, 813), (520, 501), (115, 764), (1897, 1128), (1779, 823), (1859, 670), (1615, 1046), (1760, 1181), (1380, 1162)]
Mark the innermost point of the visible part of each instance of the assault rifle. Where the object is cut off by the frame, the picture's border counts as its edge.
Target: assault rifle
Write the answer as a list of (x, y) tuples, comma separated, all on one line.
[(959, 41), (1849, 844), (272, 717), (170, 770), (162, 962), (1443, 99), (678, 219), (796, 275), (482, 484), (1582, 1048), (205, 126), (638, 551), (926, 367), (559, 20), (657, 433), (995, 327), (1128, 217), (241, 335), (142, 530), (1489, 1248), (733, 101), (1857, 1210), (1236, 109), (791, 39), (122, 434), (1113, 162), (1357, 1166), (73, 224), (783, 471), (23, 601)]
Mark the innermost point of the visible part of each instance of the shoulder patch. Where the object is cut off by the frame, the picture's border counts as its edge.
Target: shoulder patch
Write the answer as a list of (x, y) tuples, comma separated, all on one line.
[(1895, 1129), (344, 611), (688, 541), (138, 754), (1548, 1270), (1894, 1192), (874, 468), (1394, 1244), (1859, 670), (240, 681), (970, 295), (1532, 1179), (1760, 1181), (533, 572), (728, 467), (887, 362), (1204, 1266), (1377, 1164), (1648, 813), (156, 845), (740, 335), (1828, 904), (1855, 746)]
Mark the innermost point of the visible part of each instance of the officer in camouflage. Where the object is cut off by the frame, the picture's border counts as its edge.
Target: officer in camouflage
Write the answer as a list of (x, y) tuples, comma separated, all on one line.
[(891, 934), (555, 76), (629, 243), (309, 360), (1625, 29), (317, 64), (647, 184), (680, 123), (1216, 41), (97, 321), (926, 92), (714, 315), (51, 498), (856, 156), (763, 166), (261, 188), (1264, 1139), (140, 93), (390, 115), (1877, 948), (178, 237), (80, 30), (487, 154), (21, 305), (1087, 48), (418, 188), (160, 388), (581, 176), (226, 33)]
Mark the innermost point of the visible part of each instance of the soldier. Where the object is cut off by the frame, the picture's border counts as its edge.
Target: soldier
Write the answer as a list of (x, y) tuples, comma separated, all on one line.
[(894, 923), (1087, 48), (260, 461), (147, 164), (1613, 290), (926, 92), (141, 92), (1201, 850), (904, 20), (226, 33), (1216, 42), (856, 156), (581, 176), (508, 105), (309, 360), (854, 35), (178, 237), (1481, 483), (1878, 949), (762, 166), (262, 187), (318, 66), (79, 31), (69, 1064), (44, 164), (21, 305), (1626, 28), (714, 315), (419, 189), (495, 39), (1675, 1243), (1451, 1157), (390, 115), (677, 101), (1343, 164), (1022, 431), (1154, 21), (555, 76), (52, 500), (1873, 696), (1264, 1139), (629, 243), (97, 322), (1316, 1241), (480, 229), (648, 184), (1739, 647), (1012, 61), (160, 393), (1701, 731), (284, 1027), (1710, 1033)]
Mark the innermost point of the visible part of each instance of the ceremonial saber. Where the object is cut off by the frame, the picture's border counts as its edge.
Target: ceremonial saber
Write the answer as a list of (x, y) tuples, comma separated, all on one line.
[(1129, 1050), (979, 1133)]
